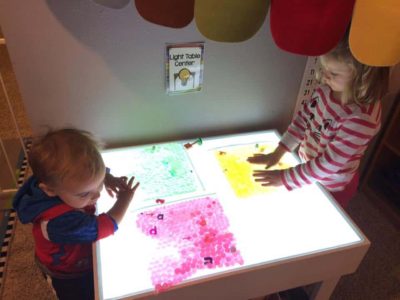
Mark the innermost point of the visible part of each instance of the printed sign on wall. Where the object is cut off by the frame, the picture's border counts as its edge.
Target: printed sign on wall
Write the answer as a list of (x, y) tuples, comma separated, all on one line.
[(184, 68)]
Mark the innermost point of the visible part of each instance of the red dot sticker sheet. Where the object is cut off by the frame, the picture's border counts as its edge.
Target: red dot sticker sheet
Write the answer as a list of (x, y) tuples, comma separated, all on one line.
[(192, 236)]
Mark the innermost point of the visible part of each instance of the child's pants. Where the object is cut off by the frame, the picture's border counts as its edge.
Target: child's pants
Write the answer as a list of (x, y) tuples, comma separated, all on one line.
[(81, 288), (343, 197)]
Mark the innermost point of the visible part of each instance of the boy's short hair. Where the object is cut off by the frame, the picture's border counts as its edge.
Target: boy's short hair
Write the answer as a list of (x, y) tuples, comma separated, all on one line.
[(65, 153)]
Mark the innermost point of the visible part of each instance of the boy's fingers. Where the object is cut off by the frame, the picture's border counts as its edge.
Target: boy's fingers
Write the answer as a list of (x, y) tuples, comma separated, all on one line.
[(135, 187), (122, 182), (130, 182), (112, 188), (110, 192)]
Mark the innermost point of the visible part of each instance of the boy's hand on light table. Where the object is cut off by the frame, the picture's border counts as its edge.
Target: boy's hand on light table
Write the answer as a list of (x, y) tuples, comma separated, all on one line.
[(124, 196), (114, 184), (126, 193)]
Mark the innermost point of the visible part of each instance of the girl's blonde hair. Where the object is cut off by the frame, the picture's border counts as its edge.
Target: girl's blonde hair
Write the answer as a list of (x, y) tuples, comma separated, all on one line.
[(369, 83), (65, 153)]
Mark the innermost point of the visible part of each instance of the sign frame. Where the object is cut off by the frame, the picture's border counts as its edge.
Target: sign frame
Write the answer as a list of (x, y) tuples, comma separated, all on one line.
[(184, 67)]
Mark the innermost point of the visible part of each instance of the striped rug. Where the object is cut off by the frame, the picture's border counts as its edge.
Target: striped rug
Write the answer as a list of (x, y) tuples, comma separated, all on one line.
[(7, 225)]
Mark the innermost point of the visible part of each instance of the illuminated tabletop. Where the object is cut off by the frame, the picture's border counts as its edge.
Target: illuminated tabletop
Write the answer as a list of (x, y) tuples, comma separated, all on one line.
[(199, 227)]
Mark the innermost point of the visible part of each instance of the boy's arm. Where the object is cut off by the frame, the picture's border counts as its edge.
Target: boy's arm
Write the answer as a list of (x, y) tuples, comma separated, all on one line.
[(79, 227), (124, 198), (113, 184)]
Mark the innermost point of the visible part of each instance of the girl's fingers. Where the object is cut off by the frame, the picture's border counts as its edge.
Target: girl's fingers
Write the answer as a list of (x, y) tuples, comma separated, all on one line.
[(263, 180), (257, 157), (261, 173)]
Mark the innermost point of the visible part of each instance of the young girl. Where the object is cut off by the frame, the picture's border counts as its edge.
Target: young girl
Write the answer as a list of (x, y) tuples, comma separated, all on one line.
[(333, 128)]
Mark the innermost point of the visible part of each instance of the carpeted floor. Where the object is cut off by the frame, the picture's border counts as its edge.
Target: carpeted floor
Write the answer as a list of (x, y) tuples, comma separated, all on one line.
[(7, 128), (8, 131), (23, 281), (378, 277)]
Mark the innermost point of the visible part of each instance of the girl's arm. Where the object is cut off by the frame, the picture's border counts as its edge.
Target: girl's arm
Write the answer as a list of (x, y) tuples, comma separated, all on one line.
[(341, 153), (290, 140), (296, 130)]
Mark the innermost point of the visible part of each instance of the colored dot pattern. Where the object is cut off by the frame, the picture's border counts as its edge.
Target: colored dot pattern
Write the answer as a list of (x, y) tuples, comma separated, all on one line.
[(239, 172), (164, 170), (192, 235)]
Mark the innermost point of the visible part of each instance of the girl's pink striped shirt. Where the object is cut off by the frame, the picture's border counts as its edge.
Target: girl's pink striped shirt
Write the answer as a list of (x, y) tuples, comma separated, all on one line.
[(332, 138)]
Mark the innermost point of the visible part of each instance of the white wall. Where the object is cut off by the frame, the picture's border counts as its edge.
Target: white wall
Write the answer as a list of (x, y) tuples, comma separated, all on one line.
[(99, 69)]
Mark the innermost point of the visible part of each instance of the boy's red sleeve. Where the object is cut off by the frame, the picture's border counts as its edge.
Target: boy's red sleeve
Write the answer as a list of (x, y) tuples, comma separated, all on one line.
[(106, 226)]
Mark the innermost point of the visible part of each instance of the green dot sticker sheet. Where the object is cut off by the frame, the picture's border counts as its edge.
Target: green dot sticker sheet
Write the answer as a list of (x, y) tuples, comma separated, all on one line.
[(163, 170)]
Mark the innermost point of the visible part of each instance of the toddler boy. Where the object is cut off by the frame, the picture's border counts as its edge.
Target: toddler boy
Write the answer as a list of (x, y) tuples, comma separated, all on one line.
[(59, 200)]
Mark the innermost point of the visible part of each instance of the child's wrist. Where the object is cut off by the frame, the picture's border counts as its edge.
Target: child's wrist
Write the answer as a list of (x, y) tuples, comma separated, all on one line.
[(281, 149)]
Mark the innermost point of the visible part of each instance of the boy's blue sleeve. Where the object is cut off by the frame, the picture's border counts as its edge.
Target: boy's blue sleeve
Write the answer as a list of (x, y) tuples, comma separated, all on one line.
[(74, 227)]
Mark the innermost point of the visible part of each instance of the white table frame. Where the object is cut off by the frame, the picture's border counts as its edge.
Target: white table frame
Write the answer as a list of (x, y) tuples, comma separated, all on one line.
[(324, 267)]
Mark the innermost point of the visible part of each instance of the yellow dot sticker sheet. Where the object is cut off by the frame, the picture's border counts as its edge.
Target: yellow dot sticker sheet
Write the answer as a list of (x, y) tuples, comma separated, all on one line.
[(239, 172)]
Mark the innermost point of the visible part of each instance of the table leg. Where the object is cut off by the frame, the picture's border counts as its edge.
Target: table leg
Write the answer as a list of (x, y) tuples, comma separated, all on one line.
[(324, 289)]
